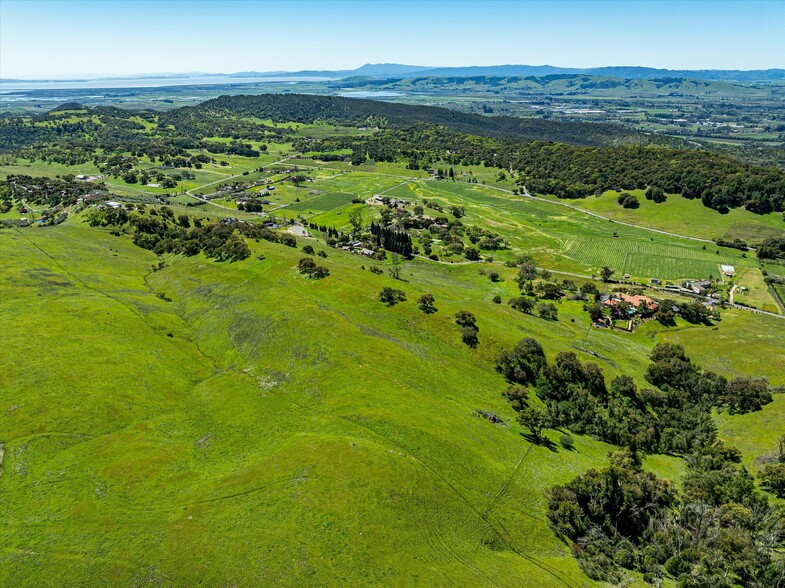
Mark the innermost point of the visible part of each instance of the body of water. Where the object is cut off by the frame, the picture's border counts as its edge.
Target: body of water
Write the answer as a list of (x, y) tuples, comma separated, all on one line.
[(117, 83), (369, 94)]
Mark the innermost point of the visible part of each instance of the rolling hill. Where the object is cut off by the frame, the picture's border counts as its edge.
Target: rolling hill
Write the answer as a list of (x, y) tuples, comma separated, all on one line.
[(307, 109)]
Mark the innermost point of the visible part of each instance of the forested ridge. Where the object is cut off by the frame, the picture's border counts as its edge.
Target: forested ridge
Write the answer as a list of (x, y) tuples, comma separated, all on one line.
[(308, 109)]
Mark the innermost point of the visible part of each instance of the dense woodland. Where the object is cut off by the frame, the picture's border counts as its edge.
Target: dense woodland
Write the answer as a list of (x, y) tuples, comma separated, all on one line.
[(371, 113), (719, 531)]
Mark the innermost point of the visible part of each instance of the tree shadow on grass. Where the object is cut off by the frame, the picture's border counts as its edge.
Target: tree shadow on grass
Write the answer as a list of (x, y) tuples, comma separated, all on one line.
[(566, 441), (541, 441)]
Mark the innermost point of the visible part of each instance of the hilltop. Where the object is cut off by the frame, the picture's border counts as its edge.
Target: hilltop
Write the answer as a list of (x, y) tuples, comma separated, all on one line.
[(308, 109)]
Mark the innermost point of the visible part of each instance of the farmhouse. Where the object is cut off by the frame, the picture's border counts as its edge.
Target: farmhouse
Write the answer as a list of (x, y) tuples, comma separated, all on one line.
[(698, 286), (633, 300), (357, 249)]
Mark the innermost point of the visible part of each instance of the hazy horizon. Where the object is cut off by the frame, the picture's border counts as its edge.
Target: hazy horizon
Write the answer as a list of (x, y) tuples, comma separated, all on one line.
[(45, 39), (194, 74)]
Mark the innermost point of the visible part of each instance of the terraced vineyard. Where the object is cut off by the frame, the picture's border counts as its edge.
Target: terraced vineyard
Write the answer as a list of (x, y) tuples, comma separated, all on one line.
[(641, 258)]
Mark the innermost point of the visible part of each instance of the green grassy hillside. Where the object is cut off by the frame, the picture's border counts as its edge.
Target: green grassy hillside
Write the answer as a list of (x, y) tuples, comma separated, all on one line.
[(170, 420), (240, 424), (687, 217)]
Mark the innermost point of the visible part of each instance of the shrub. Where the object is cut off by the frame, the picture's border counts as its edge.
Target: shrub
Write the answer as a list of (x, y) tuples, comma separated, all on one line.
[(471, 253), (522, 304), (290, 240), (524, 363), (655, 194), (773, 479), (465, 319), (567, 442), (628, 200), (547, 310), (308, 266)]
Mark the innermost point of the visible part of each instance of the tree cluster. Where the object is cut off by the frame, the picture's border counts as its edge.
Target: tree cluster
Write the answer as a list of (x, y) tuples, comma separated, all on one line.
[(674, 417), (469, 329), (719, 531), (392, 240), (772, 249), (628, 200), (308, 266)]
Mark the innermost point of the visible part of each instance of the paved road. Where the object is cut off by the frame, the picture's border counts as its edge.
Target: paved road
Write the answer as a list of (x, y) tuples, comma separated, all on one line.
[(756, 311)]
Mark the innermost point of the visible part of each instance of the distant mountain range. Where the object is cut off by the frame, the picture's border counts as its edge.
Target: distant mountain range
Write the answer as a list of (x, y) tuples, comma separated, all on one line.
[(396, 70), (384, 70)]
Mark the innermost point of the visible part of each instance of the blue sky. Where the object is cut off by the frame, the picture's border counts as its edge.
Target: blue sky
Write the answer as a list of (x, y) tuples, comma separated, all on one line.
[(70, 37)]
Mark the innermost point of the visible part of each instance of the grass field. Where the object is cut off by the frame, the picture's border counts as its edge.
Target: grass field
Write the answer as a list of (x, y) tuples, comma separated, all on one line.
[(264, 428), (240, 424), (687, 217), (643, 258), (558, 237), (571, 241), (324, 202), (757, 293)]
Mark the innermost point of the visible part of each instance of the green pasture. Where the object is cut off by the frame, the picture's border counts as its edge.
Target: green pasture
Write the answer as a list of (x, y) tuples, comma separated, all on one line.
[(686, 217), (324, 202), (237, 423), (757, 292), (562, 239)]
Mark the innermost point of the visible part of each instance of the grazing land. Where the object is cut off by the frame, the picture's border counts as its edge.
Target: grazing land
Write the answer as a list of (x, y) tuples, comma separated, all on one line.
[(289, 352), (688, 217)]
